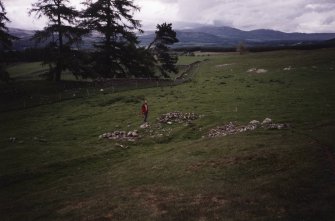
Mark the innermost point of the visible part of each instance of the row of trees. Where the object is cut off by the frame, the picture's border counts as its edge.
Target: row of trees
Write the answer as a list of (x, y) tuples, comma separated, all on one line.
[(116, 53)]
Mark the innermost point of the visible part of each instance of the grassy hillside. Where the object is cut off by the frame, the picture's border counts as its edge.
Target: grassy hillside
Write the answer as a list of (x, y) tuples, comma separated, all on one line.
[(57, 168)]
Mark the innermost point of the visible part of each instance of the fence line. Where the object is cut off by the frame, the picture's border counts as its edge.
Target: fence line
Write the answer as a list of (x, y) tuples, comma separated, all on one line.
[(17, 99)]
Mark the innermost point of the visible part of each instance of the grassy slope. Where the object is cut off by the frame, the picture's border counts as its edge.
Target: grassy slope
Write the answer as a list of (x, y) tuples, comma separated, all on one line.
[(260, 175), (27, 70)]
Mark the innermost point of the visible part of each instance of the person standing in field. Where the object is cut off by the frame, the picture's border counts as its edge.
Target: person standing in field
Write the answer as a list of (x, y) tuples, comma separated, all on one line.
[(145, 110)]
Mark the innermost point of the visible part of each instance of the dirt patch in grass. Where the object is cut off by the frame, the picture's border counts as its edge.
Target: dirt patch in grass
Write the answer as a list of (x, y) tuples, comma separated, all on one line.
[(232, 160), (170, 205), (86, 208), (159, 201), (72, 206)]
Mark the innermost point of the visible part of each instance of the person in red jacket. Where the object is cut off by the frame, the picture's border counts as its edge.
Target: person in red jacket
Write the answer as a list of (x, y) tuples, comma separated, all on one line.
[(145, 110)]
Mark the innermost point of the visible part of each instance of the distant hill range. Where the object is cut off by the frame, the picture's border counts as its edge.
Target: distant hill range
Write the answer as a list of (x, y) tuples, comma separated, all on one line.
[(208, 36)]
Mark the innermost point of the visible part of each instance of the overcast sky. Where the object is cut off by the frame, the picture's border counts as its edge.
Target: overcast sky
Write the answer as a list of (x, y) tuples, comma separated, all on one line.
[(283, 15)]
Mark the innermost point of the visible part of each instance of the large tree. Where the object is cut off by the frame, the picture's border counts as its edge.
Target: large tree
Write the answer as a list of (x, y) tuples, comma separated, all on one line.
[(5, 38), (116, 54), (5, 41), (61, 33), (166, 60)]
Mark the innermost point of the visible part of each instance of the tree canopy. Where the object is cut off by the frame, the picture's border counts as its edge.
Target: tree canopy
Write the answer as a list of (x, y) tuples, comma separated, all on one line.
[(117, 53), (60, 33), (5, 38), (164, 36), (5, 41)]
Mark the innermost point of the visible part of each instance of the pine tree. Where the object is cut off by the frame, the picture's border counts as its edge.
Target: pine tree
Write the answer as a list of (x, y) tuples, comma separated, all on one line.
[(5, 42), (61, 33), (164, 36), (117, 54), (5, 38)]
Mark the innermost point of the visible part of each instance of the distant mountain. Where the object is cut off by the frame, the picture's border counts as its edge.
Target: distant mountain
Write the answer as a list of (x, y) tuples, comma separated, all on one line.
[(331, 41), (192, 38), (25, 38), (230, 37), (263, 34), (210, 36)]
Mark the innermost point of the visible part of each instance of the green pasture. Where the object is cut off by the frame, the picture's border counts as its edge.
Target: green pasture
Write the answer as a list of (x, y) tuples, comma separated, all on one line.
[(38, 70), (27, 70), (33, 71), (57, 168), (186, 60)]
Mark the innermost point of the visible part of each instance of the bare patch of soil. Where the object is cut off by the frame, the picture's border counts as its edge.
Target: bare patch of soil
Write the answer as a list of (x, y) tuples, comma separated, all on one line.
[(159, 201), (229, 161)]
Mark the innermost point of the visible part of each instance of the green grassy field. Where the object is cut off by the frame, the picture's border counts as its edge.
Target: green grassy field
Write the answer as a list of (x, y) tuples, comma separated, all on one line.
[(34, 71), (58, 168)]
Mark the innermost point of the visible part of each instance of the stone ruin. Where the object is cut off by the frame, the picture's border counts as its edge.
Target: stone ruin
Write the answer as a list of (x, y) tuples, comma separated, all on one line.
[(177, 117), (257, 71), (288, 68), (231, 128), (121, 135), (155, 130)]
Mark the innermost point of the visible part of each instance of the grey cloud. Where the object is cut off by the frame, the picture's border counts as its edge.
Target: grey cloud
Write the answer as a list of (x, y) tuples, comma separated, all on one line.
[(285, 15), (329, 20), (222, 23)]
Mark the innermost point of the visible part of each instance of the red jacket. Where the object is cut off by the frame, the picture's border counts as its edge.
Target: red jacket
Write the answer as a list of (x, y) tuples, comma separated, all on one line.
[(145, 108)]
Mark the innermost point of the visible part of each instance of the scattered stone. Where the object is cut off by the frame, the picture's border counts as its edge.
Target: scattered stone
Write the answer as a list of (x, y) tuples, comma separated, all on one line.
[(144, 125), (121, 145), (223, 65), (121, 135), (261, 71), (276, 126), (288, 68), (177, 117), (132, 133), (231, 128), (255, 122), (257, 71), (12, 139), (224, 130), (267, 121), (252, 70)]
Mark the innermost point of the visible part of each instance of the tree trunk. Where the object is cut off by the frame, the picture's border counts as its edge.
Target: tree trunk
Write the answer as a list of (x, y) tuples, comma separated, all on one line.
[(108, 39), (57, 75), (153, 42), (60, 48)]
